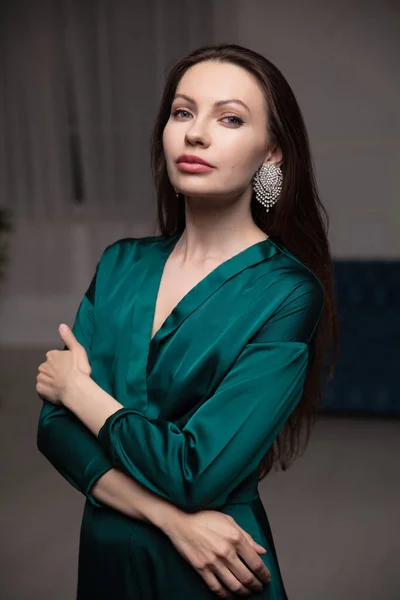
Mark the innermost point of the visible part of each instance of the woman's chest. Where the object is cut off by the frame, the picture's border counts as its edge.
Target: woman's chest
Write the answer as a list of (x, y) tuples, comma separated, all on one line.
[(177, 281), (174, 373), (201, 325)]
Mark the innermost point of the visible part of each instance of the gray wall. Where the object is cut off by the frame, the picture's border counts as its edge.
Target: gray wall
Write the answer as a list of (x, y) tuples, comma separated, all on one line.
[(342, 62)]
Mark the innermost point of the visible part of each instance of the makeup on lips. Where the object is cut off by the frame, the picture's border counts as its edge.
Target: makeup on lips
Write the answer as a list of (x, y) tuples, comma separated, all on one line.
[(190, 163)]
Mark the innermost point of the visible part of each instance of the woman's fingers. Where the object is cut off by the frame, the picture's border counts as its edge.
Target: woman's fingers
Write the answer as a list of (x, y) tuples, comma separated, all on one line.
[(251, 540), (229, 575), (235, 576), (252, 573), (225, 555), (256, 568), (214, 584), (240, 568)]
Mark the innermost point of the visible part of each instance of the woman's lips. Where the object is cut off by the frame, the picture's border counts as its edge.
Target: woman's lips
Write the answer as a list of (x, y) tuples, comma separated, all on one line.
[(193, 167)]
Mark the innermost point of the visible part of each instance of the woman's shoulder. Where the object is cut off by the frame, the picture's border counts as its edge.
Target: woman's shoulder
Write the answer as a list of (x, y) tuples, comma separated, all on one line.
[(293, 281), (292, 268), (129, 248), (118, 258), (137, 242)]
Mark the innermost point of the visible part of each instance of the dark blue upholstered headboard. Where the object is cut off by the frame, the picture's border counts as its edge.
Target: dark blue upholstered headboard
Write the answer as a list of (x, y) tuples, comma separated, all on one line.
[(367, 377)]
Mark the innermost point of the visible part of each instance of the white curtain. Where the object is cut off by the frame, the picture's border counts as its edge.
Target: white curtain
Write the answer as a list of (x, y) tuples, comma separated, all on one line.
[(80, 84), (82, 81)]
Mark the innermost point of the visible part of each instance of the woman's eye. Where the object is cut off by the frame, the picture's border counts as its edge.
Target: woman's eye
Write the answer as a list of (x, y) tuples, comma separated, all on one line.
[(180, 110), (236, 120)]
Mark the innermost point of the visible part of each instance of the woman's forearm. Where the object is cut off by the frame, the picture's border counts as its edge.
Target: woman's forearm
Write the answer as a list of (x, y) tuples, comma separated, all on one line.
[(92, 405), (88, 401), (128, 496)]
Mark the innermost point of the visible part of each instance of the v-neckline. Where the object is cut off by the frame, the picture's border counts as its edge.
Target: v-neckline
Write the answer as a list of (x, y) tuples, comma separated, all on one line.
[(144, 349), (166, 250)]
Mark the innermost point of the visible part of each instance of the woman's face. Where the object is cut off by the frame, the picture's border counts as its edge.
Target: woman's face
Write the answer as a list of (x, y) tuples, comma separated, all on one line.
[(232, 136)]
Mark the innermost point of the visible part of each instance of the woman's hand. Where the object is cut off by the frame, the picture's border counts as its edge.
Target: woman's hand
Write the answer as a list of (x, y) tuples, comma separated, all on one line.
[(213, 543), (60, 367)]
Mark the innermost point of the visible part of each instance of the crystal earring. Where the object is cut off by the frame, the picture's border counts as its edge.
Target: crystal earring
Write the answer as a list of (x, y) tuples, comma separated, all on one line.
[(267, 184)]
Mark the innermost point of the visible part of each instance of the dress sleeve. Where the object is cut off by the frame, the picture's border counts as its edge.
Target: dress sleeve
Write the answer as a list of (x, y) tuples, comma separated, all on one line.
[(69, 446), (224, 441)]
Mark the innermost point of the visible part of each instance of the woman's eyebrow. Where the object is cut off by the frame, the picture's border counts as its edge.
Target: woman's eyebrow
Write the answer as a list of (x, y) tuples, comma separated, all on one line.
[(219, 103)]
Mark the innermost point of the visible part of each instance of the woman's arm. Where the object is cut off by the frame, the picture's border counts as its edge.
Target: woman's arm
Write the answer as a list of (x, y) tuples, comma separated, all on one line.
[(66, 443), (206, 547), (124, 494), (198, 466), (211, 542)]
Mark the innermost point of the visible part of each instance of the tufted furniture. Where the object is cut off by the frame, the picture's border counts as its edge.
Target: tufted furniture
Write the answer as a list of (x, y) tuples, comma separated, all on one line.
[(367, 377)]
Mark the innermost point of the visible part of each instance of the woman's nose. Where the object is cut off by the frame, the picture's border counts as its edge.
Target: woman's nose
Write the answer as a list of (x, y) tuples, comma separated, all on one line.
[(197, 134)]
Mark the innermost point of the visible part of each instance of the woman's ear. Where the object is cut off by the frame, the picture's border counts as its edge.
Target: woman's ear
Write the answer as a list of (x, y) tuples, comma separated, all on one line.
[(274, 155)]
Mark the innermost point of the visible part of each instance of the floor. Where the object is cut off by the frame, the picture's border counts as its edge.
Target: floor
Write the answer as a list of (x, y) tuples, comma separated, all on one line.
[(334, 514)]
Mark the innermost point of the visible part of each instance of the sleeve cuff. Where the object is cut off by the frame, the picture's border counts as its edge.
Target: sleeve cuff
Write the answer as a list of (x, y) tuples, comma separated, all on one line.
[(95, 469), (106, 432)]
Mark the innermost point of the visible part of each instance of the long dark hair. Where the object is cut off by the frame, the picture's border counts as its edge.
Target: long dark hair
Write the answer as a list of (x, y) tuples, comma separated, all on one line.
[(298, 221)]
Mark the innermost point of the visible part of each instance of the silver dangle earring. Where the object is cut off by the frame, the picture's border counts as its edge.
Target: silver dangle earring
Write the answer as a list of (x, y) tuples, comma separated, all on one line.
[(267, 184)]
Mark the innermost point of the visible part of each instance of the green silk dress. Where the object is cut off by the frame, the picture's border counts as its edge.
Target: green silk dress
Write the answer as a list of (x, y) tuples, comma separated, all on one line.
[(203, 402)]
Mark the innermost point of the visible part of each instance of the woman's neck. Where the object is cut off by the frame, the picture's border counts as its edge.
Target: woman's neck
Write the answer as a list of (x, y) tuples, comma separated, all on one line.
[(216, 233)]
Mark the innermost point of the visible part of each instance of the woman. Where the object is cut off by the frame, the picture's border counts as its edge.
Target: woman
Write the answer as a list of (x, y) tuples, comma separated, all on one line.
[(195, 358)]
